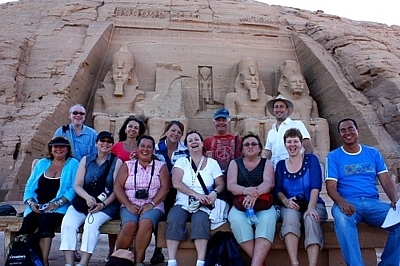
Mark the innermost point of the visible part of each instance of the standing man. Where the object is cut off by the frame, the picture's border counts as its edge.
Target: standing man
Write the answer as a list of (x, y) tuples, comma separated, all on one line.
[(223, 146), (351, 172), (281, 108), (81, 137)]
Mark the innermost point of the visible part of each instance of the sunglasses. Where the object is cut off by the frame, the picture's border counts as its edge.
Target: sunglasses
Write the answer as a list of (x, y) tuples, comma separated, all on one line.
[(247, 144), (78, 113), (109, 141)]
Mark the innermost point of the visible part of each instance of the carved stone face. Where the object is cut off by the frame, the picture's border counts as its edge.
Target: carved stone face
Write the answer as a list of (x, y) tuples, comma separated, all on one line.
[(121, 72), (251, 78), (295, 84)]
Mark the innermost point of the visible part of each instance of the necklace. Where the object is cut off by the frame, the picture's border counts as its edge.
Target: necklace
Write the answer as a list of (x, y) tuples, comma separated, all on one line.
[(194, 174)]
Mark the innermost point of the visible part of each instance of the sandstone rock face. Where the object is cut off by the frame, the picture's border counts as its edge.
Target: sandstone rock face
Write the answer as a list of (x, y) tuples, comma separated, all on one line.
[(57, 53)]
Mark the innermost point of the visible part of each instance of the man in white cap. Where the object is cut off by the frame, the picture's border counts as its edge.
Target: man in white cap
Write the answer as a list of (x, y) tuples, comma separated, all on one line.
[(223, 146), (281, 108)]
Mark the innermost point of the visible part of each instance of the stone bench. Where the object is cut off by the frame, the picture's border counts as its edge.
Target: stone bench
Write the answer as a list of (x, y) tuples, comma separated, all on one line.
[(370, 239), (11, 224)]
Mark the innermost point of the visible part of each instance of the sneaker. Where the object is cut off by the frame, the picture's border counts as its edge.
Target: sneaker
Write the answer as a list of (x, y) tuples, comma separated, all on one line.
[(158, 256)]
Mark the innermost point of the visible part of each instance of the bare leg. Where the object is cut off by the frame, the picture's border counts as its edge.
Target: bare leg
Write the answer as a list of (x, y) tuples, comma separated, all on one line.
[(112, 239), (292, 246), (261, 249), (172, 248), (248, 247), (201, 248), (69, 256), (126, 235), (144, 234), (85, 257), (45, 244), (312, 253)]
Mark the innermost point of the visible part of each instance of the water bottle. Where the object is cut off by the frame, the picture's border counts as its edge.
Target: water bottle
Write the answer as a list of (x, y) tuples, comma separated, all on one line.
[(36, 261), (251, 216)]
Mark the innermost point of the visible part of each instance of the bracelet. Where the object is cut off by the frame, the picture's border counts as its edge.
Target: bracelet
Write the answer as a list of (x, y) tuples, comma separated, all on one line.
[(104, 204), (59, 202), (216, 191), (152, 203)]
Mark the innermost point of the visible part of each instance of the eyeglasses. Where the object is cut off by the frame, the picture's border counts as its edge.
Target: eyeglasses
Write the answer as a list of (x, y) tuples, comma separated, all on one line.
[(247, 144), (109, 141), (78, 113)]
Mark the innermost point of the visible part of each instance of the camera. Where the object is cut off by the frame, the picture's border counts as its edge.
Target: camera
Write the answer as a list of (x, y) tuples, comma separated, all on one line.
[(43, 207), (142, 194), (302, 202)]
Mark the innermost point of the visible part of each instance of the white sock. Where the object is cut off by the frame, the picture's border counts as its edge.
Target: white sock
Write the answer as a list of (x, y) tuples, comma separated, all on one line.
[(200, 263), (172, 263)]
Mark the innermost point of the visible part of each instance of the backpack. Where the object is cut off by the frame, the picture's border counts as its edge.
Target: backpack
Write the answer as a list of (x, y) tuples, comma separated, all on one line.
[(22, 252), (7, 210), (222, 250)]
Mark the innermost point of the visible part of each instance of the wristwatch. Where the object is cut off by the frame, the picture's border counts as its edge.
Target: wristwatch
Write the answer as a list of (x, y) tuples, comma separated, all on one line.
[(216, 191)]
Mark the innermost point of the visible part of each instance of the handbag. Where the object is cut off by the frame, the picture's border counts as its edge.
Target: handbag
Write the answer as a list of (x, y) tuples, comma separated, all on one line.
[(94, 189), (263, 202)]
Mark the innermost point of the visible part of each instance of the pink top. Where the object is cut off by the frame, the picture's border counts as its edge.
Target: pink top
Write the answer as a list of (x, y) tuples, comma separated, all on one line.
[(142, 182)]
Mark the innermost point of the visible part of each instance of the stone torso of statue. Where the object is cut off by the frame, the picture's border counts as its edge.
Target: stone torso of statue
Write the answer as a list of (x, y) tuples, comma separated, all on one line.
[(120, 97)]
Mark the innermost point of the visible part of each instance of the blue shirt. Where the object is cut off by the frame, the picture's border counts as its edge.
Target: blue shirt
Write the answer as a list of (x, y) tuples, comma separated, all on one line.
[(66, 182), (181, 151), (355, 173), (309, 177), (81, 145)]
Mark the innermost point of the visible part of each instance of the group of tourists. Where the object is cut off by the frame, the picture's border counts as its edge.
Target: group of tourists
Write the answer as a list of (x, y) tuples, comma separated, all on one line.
[(87, 179)]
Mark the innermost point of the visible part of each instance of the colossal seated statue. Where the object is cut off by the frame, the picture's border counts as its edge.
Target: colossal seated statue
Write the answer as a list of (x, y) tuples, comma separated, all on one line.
[(293, 87), (120, 97), (248, 103)]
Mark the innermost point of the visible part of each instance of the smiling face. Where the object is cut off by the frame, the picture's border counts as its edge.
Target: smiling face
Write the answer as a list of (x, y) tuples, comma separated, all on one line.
[(280, 110), (174, 134), (293, 145), (348, 133), (104, 145), (59, 152), (77, 115), (145, 149), (221, 125), (132, 130), (194, 142)]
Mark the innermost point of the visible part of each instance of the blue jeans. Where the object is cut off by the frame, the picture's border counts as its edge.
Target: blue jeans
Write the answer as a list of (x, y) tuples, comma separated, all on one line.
[(372, 212)]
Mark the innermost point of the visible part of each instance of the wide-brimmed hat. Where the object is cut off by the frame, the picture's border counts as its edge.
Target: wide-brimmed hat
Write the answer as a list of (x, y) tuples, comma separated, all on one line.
[(59, 141), (289, 104), (105, 134), (221, 113)]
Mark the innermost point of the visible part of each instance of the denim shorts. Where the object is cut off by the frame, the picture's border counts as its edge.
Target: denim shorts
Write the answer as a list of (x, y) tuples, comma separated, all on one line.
[(153, 215)]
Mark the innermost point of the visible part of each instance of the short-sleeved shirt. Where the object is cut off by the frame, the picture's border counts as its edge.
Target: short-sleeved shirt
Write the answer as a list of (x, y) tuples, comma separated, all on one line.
[(84, 144), (210, 172), (309, 177), (224, 148), (181, 151), (275, 141), (143, 179), (355, 173)]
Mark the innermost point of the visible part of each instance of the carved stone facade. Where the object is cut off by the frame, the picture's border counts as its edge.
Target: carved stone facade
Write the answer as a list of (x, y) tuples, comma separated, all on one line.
[(186, 59)]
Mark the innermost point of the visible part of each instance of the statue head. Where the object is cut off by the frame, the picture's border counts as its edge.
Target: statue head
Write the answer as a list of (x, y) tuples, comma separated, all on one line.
[(123, 69), (205, 72), (291, 79), (248, 77)]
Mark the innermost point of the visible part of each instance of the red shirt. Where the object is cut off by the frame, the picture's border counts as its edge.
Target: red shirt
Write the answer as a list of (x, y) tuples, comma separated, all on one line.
[(225, 148)]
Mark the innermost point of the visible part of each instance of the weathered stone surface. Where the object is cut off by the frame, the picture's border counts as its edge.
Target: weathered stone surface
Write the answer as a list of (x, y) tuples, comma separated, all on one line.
[(54, 54)]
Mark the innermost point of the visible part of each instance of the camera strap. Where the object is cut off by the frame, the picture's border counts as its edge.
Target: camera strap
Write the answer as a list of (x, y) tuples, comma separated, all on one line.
[(152, 173)]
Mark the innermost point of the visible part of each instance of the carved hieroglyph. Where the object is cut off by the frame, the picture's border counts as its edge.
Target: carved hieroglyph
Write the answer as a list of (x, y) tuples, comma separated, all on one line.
[(248, 103), (293, 87), (120, 97)]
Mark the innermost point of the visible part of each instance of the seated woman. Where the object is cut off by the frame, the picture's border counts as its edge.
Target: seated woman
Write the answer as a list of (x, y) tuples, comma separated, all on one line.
[(191, 193), (298, 183), (95, 203), (141, 187), (48, 193), (252, 179)]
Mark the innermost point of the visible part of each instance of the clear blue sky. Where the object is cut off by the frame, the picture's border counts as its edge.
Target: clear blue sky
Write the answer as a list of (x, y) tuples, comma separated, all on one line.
[(383, 11)]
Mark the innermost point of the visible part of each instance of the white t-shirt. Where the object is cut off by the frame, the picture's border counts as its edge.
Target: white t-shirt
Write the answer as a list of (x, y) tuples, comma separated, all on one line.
[(209, 173), (275, 139)]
